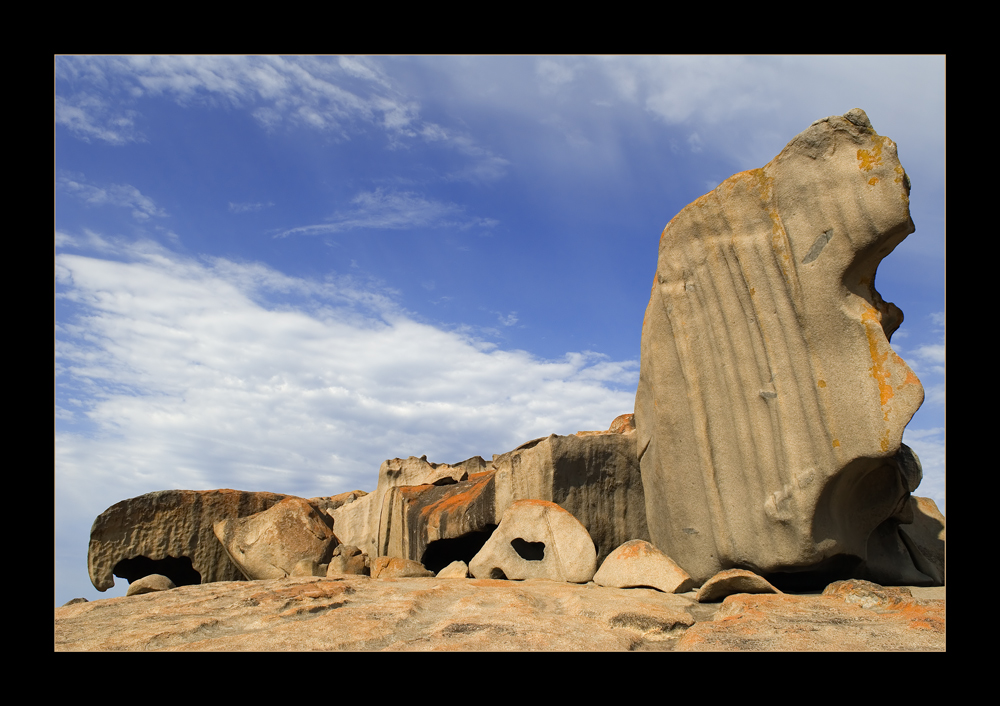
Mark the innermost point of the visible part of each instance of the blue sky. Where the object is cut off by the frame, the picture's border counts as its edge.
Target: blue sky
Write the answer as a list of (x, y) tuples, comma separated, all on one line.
[(273, 273)]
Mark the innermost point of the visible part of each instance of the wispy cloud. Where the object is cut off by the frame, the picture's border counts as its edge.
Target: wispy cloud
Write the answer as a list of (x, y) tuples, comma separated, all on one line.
[(393, 210), (341, 96), (508, 320), (248, 207), (89, 117), (121, 195)]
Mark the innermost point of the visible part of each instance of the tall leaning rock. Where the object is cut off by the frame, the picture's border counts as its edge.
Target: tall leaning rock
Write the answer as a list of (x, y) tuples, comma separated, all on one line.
[(770, 407)]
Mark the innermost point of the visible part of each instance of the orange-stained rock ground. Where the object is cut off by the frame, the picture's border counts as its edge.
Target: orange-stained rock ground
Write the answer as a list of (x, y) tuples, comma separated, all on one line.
[(363, 614), (788, 623)]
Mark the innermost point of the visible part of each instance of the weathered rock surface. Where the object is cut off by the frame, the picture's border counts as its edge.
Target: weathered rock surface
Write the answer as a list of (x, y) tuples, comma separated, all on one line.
[(394, 567), (593, 475), (770, 406), (537, 539), (732, 581), (269, 544), (360, 522), (925, 538), (869, 595), (358, 613), (786, 623), (149, 584), (348, 559), (169, 532), (639, 563)]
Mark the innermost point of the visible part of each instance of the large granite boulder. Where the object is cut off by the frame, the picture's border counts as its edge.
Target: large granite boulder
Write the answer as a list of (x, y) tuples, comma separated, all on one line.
[(272, 543), (169, 532), (770, 408), (638, 563)]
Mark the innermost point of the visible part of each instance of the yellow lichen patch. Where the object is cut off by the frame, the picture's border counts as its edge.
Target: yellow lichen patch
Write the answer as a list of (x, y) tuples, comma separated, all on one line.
[(821, 383), (873, 181), (899, 175), (879, 371), (870, 158), (884, 441), (836, 443)]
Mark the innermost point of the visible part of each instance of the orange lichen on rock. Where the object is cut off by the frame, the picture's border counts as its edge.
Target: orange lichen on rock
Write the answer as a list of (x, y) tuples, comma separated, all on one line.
[(460, 499), (879, 370), (870, 158)]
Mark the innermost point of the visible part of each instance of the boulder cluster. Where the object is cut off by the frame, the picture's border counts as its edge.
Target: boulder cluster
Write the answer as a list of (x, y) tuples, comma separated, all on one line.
[(764, 453)]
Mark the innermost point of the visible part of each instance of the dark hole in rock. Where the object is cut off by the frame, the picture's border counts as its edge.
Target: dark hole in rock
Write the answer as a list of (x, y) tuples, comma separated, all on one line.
[(442, 552), (497, 573), (179, 570), (532, 551)]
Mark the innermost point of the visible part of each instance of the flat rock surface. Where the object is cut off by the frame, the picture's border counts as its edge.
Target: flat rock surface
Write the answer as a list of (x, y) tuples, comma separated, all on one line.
[(364, 614)]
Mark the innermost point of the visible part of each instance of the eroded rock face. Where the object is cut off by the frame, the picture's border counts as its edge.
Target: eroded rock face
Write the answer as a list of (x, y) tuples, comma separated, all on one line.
[(770, 408), (361, 523), (593, 475), (169, 532)]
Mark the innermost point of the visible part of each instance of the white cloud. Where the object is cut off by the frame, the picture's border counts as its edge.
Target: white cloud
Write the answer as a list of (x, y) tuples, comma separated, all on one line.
[(121, 195), (248, 207), (190, 378), (933, 353), (88, 117), (340, 96), (393, 210)]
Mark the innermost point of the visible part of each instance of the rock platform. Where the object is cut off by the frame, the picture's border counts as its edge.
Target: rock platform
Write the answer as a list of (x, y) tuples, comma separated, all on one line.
[(357, 613)]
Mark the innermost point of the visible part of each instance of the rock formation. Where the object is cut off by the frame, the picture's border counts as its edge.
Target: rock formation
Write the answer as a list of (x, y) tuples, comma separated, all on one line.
[(765, 453), (537, 539), (770, 406), (169, 532), (434, 519)]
